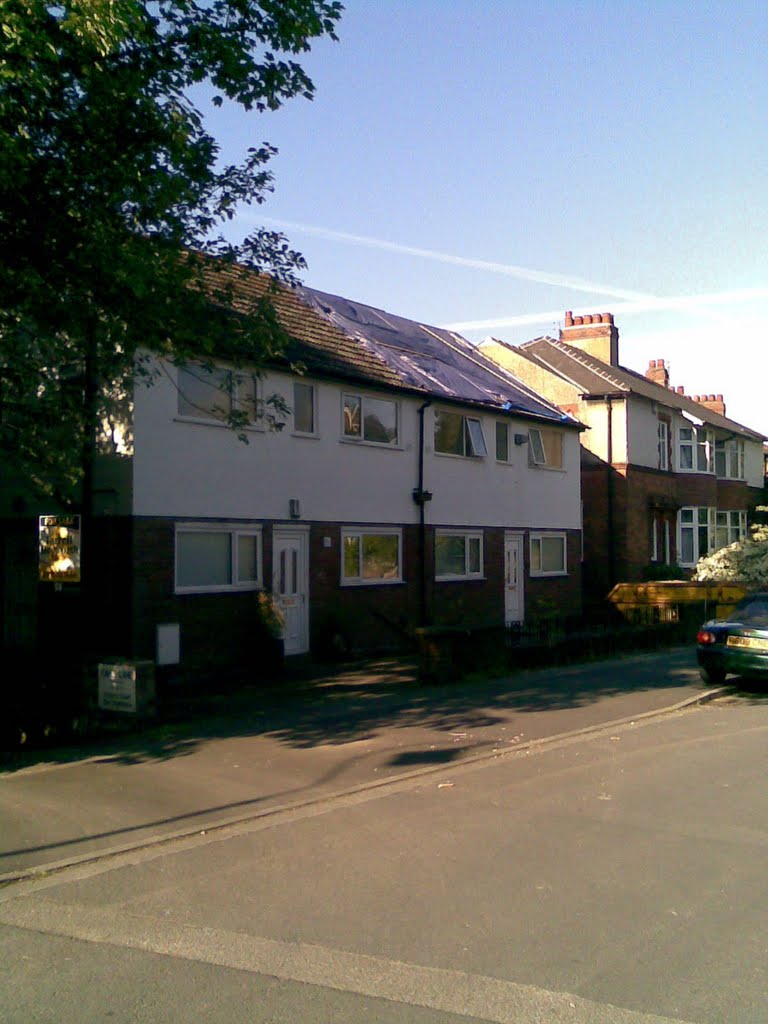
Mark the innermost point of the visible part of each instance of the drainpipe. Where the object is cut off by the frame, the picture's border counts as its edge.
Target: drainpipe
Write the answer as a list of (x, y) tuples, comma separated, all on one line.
[(421, 497), (611, 495)]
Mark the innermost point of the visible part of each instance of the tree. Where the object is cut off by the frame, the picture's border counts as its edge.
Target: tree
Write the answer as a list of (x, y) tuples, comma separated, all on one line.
[(744, 562), (111, 193)]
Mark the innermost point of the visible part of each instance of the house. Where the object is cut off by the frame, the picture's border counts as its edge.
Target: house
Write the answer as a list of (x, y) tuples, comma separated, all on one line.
[(407, 480), (666, 477)]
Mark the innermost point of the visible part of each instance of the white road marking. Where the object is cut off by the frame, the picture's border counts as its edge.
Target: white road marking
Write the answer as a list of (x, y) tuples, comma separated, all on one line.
[(471, 995)]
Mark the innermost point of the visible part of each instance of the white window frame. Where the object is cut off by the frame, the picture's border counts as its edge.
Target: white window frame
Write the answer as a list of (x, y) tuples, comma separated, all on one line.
[(360, 532), (728, 451), (734, 523), (313, 390), (503, 430), (231, 399), (234, 531), (663, 444), (362, 398), (537, 538), (468, 574), (702, 519), (701, 442), (537, 449), (473, 438)]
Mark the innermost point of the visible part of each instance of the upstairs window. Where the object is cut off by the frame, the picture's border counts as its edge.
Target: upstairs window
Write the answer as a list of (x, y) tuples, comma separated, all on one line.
[(663, 444), (458, 555), (370, 419), (545, 447), (502, 441), (304, 414), (696, 450), (456, 434), (729, 459), (214, 393)]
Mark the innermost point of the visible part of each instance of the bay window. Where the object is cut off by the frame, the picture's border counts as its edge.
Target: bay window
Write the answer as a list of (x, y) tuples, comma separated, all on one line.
[(695, 534), (729, 459), (730, 527), (696, 450)]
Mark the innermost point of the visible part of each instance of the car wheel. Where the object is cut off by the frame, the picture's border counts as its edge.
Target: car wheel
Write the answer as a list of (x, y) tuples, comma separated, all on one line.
[(712, 676)]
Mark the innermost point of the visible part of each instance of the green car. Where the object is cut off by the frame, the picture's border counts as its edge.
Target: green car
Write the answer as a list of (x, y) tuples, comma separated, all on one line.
[(738, 644)]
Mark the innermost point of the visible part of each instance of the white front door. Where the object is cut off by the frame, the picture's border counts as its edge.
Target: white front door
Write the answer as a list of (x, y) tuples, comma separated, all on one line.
[(290, 586), (514, 610)]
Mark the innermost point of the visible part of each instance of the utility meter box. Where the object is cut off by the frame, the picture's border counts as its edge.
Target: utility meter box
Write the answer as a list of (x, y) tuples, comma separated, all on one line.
[(127, 687)]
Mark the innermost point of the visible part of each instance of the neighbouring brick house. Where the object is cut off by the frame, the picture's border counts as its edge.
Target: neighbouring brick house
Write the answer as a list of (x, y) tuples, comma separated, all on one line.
[(405, 487), (666, 478)]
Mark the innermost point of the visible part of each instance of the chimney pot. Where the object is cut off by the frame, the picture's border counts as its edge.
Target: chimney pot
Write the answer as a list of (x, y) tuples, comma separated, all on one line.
[(680, 390), (605, 317), (718, 398), (652, 364), (661, 363), (711, 398), (569, 318), (578, 320)]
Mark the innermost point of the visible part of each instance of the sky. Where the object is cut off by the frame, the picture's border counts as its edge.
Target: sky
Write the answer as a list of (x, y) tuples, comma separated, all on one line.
[(489, 164)]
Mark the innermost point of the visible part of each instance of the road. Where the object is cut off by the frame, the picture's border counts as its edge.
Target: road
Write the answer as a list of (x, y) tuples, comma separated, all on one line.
[(615, 878)]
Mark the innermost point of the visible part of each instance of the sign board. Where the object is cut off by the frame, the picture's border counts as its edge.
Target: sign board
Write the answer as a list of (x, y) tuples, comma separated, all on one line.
[(117, 687), (59, 549)]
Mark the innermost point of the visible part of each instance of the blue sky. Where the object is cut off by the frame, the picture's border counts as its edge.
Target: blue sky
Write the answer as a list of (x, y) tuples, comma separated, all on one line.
[(493, 164)]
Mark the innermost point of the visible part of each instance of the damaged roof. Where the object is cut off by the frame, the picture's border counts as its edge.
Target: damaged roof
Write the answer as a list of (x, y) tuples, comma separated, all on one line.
[(333, 336), (595, 379), (430, 360)]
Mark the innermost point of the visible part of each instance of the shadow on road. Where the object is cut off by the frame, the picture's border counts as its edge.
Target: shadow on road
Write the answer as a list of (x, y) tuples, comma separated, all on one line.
[(356, 703)]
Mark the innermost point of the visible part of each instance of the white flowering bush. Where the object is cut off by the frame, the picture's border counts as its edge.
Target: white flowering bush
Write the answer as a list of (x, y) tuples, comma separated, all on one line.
[(744, 562)]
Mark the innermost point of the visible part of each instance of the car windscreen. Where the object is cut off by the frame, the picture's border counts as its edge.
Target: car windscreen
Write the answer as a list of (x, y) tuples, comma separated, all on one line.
[(752, 612)]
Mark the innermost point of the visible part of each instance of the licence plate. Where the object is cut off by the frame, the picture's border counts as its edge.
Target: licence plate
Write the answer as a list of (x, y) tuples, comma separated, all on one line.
[(755, 643)]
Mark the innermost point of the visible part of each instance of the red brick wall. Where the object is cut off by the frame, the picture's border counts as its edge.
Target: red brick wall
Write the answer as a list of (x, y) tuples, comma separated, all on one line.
[(639, 496), (219, 632)]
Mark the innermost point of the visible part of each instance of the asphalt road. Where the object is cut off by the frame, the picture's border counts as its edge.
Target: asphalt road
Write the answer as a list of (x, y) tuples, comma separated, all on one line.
[(611, 879)]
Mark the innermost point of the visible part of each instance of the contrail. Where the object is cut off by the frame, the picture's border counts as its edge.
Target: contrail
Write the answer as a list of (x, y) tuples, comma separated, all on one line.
[(634, 302), (509, 269), (683, 303)]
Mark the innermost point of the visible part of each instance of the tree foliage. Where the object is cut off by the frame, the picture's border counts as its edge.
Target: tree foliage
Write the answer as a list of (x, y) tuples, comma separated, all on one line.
[(111, 196), (743, 562)]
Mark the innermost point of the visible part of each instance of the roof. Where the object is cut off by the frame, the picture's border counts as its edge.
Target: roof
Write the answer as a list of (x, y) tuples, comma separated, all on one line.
[(336, 337), (595, 379)]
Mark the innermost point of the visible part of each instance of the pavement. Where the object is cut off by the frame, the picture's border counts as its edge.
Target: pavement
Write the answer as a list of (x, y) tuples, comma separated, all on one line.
[(237, 757)]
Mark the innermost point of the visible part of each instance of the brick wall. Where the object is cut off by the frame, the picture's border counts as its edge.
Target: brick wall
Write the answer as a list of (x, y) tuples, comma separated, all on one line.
[(558, 595), (220, 632)]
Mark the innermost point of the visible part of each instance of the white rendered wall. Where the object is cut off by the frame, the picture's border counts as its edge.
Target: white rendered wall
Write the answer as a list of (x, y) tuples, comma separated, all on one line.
[(643, 423), (594, 415), (754, 466), (201, 470)]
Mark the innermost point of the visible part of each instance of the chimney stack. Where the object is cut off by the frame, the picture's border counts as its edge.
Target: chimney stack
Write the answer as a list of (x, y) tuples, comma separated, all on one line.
[(658, 372), (594, 334), (713, 402)]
